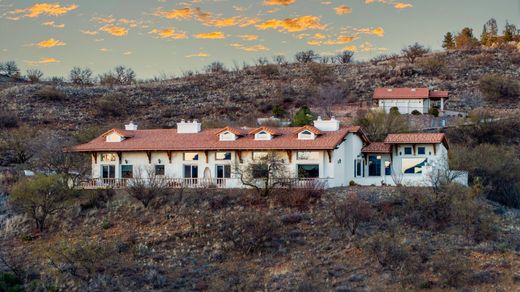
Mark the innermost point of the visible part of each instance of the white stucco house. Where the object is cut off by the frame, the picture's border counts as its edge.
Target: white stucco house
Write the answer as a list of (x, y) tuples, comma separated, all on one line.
[(407, 100), (326, 152)]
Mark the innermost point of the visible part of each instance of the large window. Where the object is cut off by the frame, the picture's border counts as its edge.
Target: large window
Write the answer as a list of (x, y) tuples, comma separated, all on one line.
[(374, 165), (223, 156), (159, 169), (260, 170), (108, 157), (413, 165), (127, 171), (223, 171), (191, 156), (108, 171), (308, 155), (308, 171), (421, 150), (259, 155), (191, 171)]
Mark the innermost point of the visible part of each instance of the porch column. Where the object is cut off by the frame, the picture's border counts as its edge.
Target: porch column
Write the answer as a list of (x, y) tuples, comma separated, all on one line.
[(442, 104)]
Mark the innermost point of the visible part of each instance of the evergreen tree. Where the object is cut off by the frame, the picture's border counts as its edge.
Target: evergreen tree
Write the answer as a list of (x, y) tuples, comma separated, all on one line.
[(484, 37), (465, 39), (509, 32), (449, 42), (303, 117)]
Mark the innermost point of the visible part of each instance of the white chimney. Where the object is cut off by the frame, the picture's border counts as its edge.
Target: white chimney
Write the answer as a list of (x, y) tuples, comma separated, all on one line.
[(131, 127), (188, 127), (327, 125)]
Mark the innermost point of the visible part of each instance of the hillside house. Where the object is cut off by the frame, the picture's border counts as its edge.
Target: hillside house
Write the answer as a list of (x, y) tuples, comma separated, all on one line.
[(407, 100), (191, 156)]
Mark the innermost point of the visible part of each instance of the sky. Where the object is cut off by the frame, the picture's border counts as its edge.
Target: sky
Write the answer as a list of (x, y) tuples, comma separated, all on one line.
[(165, 37)]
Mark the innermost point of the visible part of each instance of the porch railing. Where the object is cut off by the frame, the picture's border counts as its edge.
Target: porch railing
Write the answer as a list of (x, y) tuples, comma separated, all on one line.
[(122, 183)]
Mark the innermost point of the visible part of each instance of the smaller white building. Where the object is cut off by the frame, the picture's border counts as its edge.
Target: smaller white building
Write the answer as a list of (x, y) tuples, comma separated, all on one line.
[(408, 100)]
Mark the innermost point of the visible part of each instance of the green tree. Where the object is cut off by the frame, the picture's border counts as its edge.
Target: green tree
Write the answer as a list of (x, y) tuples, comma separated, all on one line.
[(449, 42), (509, 32), (10, 69), (303, 117), (40, 197), (378, 124), (465, 39), (279, 111), (489, 33), (414, 51)]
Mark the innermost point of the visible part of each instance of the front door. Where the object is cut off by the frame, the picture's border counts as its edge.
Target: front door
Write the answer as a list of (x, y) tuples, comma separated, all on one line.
[(108, 173), (191, 173), (223, 172)]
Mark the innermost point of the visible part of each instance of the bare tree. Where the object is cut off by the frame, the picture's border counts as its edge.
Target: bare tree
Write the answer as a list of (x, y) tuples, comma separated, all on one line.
[(261, 61), (81, 76), (215, 67), (34, 75), (265, 174), (280, 60), (146, 185), (397, 176), (124, 75), (412, 52), (344, 57), (10, 69), (441, 174), (350, 213), (305, 57), (19, 142), (330, 95)]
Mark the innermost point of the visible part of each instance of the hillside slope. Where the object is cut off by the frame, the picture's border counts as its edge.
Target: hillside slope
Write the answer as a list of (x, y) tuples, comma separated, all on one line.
[(240, 96)]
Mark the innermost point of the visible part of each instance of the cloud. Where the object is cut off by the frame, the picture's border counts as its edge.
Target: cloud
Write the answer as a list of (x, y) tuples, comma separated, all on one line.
[(168, 33), (343, 9), (378, 31), (50, 43), (255, 48), (200, 55), (118, 31), (42, 8), (365, 47), (43, 61), (211, 35), (204, 17), (53, 24), (104, 50), (293, 24), (89, 32), (183, 13), (320, 39), (248, 37), (127, 53), (278, 2), (400, 5)]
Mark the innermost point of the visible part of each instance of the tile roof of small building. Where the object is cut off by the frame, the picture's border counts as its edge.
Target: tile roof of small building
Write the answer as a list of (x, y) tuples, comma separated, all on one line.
[(207, 139), (309, 128), (417, 138), (377, 147), (408, 93)]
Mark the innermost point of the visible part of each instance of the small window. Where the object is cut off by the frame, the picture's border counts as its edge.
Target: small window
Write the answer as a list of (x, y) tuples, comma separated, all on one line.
[(127, 171), (388, 168), (108, 157), (421, 150), (407, 150), (259, 155), (263, 135), (308, 155), (223, 156), (191, 156), (159, 169), (306, 135)]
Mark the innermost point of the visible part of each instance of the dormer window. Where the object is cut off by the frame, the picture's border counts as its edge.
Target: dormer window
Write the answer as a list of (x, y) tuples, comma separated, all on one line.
[(306, 135), (263, 135), (114, 137), (227, 136)]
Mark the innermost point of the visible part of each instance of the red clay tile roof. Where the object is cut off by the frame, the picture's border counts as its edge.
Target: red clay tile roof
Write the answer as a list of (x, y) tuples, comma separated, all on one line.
[(416, 138), (169, 139), (120, 132), (309, 128), (269, 130), (408, 93), (236, 131), (377, 147)]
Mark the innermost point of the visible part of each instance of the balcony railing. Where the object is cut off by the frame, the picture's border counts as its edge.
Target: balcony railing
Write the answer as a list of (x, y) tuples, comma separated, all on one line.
[(123, 183)]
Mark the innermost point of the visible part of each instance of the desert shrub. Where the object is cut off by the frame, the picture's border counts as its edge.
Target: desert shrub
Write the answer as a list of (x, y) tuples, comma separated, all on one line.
[(426, 210), (270, 70), (499, 88), (146, 186), (252, 231), (503, 132), (34, 75), (388, 249), (352, 212), (432, 66), (50, 93), (321, 73), (9, 282), (412, 52), (416, 113), (111, 104), (215, 67), (299, 198), (394, 110), (8, 120), (434, 111), (304, 57), (40, 197), (452, 267), (96, 198)]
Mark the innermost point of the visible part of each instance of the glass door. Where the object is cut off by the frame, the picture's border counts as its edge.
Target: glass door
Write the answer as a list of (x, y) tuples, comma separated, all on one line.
[(223, 172), (191, 173), (108, 174)]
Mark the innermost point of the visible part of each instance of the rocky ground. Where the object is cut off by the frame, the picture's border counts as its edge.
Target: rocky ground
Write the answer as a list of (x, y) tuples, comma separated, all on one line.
[(238, 97), (228, 241)]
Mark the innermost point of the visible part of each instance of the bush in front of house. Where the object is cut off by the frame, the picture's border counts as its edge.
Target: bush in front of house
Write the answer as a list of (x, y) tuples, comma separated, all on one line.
[(416, 113), (434, 111)]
